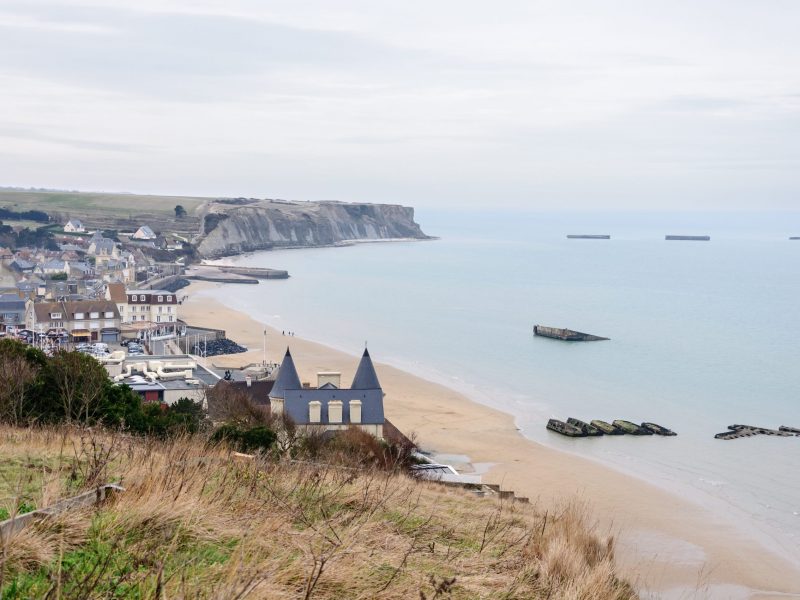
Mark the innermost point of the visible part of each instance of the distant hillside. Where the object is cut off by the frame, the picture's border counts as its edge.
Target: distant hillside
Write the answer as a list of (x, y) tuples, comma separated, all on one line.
[(110, 211), (224, 226)]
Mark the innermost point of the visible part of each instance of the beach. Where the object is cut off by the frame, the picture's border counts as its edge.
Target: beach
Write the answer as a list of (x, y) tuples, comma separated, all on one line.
[(665, 544)]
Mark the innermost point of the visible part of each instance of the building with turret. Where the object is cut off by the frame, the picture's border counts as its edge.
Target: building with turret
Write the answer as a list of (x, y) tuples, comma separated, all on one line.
[(329, 406)]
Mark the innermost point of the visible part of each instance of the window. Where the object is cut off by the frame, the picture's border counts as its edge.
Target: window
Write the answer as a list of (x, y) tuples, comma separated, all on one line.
[(55, 315), (94, 315), (108, 324), (314, 411), (160, 309), (169, 309), (94, 325), (158, 319), (79, 315), (108, 314), (133, 318), (161, 298), (169, 298)]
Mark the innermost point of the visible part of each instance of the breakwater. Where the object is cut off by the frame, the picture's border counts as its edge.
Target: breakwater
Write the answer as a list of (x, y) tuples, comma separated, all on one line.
[(567, 335), (258, 273)]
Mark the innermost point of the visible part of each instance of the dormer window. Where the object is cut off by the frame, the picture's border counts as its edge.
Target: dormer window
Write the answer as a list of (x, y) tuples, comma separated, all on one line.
[(79, 315), (108, 314), (161, 298), (94, 315), (55, 315), (169, 298)]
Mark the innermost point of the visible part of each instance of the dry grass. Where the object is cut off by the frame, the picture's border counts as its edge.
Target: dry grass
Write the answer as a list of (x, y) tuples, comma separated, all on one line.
[(195, 523)]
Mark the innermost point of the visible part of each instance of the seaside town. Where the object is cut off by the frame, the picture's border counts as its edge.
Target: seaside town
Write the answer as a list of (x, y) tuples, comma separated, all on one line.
[(116, 296), (372, 300)]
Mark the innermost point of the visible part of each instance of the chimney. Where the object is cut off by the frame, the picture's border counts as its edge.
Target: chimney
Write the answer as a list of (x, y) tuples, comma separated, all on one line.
[(332, 377), (248, 380)]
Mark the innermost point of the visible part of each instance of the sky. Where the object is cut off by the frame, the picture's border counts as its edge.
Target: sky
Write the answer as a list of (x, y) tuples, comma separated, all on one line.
[(580, 105)]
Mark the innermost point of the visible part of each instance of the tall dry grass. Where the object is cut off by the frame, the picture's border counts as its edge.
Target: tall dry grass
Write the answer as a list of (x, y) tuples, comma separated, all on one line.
[(198, 523)]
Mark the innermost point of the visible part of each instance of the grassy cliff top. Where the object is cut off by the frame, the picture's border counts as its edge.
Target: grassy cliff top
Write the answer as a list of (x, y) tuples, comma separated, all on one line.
[(81, 204), (200, 523)]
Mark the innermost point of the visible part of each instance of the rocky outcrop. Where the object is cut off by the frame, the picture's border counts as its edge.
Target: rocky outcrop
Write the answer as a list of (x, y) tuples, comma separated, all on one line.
[(261, 225)]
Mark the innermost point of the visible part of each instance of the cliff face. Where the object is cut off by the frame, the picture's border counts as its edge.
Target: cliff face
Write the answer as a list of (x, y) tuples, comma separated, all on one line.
[(233, 228)]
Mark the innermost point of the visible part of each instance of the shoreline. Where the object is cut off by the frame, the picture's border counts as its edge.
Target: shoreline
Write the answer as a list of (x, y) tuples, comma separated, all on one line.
[(665, 544)]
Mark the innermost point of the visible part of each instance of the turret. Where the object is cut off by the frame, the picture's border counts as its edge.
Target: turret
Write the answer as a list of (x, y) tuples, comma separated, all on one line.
[(366, 378), (287, 379)]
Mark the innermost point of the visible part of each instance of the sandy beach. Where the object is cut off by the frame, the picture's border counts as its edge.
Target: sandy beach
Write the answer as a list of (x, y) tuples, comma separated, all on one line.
[(666, 545)]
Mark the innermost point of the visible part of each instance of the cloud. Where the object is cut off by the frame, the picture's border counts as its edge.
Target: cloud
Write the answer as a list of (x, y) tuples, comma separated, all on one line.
[(28, 22), (440, 103)]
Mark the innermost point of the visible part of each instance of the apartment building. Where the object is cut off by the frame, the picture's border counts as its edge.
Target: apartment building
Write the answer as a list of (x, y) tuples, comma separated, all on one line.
[(153, 306), (83, 320)]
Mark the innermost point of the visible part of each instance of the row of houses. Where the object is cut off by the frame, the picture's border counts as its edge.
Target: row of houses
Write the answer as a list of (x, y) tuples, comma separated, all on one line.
[(144, 233), (140, 312)]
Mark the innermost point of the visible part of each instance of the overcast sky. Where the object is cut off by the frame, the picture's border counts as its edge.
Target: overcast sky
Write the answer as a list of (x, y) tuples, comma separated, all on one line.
[(580, 104)]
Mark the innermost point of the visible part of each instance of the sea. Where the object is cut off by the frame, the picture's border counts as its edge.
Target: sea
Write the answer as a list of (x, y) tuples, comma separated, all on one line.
[(702, 335)]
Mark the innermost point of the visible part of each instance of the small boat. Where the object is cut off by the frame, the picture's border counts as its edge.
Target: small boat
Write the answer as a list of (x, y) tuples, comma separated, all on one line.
[(632, 428), (658, 429), (607, 428), (585, 427), (565, 428), (793, 430)]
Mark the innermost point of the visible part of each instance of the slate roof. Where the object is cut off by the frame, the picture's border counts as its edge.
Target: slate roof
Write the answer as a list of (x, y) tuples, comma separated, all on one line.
[(296, 399), (287, 379), (11, 302), (296, 405), (366, 378)]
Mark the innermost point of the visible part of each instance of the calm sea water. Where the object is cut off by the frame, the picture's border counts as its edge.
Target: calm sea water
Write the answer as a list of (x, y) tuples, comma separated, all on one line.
[(703, 335)]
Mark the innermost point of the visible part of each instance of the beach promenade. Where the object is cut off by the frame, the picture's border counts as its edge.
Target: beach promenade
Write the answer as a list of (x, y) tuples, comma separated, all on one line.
[(667, 546)]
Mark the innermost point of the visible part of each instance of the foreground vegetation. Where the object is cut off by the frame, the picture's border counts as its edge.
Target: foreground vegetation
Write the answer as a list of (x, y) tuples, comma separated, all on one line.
[(199, 522)]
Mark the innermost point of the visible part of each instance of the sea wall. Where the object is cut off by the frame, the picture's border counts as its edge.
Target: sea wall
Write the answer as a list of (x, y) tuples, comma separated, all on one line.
[(261, 225)]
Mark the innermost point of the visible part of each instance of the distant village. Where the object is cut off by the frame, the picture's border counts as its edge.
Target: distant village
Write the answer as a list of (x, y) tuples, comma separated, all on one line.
[(82, 287)]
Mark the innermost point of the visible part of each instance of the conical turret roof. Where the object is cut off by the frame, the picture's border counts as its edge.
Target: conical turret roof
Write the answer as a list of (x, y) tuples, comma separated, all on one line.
[(366, 378), (287, 379)]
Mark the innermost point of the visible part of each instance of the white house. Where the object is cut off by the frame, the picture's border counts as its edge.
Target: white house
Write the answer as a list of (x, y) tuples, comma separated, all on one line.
[(74, 226), (144, 233)]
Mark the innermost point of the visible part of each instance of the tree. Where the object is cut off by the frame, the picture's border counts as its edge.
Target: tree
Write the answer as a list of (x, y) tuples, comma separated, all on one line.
[(78, 383), (180, 212), (16, 378)]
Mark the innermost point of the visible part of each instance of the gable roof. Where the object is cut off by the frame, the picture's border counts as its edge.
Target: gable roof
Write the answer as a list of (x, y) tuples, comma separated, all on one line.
[(366, 378), (116, 293), (145, 230), (287, 379), (75, 223)]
